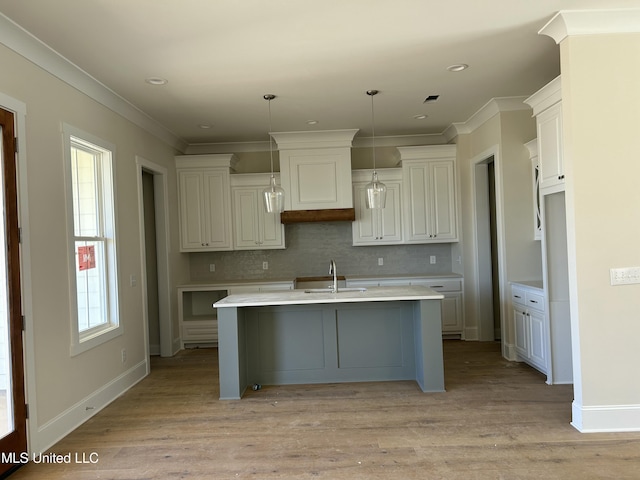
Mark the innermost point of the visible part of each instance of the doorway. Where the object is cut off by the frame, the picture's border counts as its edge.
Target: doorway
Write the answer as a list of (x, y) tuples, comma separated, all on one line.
[(487, 250), (13, 410), (154, 225)]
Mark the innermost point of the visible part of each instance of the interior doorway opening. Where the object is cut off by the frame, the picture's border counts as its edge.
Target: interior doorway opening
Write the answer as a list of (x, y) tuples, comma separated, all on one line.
[(489, 311), (154, 225)]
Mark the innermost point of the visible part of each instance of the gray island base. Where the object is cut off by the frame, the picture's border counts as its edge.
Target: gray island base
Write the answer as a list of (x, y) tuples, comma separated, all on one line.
[(293, 337)]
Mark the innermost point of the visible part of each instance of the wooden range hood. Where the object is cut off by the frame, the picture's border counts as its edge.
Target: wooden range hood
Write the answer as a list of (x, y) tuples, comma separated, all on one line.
[(327, 215)]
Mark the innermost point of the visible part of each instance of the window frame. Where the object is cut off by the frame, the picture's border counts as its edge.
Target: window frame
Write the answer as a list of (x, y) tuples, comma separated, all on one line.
[(81, 341)]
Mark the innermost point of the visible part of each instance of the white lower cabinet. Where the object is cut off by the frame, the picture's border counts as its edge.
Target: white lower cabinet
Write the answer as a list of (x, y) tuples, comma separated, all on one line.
[(198, 320), (451, 288), (529, 323)]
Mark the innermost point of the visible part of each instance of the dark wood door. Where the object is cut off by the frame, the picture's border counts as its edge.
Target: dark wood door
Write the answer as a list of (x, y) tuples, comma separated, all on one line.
[(13, 410)]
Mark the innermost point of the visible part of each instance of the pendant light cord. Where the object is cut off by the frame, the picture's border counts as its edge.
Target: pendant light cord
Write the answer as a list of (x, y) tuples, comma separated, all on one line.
[(270, 97), (371, 93)]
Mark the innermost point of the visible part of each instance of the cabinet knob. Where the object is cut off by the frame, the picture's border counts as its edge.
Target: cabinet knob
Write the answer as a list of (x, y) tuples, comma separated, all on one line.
[(560, 177)]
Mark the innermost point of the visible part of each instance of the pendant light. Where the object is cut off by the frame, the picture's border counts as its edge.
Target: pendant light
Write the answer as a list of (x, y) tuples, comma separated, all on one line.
[(273, 195), (376, 191)]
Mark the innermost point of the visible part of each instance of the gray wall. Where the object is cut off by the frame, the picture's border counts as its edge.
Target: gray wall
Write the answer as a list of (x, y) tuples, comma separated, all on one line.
[(310, 247)]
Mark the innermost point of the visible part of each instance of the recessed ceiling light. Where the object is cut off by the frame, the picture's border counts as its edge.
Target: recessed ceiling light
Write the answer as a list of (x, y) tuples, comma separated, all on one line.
[(420, 117), (156, 81), (458, 67), (312, 122), (204, 126)]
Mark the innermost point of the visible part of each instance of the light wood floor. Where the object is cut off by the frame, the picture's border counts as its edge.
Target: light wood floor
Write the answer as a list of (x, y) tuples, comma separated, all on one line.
[(497, 420)]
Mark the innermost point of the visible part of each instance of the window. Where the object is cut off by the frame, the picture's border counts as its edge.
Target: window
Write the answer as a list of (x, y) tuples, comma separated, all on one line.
[(92, 223)]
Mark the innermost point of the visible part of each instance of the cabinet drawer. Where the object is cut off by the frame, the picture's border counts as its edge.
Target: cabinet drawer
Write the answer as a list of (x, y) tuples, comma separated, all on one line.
[(534, 300), (518, 295), (440, 285)]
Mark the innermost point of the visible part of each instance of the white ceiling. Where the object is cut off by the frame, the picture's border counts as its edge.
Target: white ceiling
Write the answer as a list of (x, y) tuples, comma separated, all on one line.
[(317, 56)]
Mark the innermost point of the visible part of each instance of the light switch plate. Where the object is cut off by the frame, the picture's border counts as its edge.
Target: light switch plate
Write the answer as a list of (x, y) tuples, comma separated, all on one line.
[(625, 276)]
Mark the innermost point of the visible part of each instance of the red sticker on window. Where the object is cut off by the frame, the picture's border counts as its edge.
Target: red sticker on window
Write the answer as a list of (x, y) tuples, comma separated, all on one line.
[(87, 257)]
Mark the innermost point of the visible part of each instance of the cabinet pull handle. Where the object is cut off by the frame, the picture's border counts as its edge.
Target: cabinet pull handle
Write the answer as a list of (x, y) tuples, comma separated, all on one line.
[(560, 177), (533, 301), (437, 286), (517, 296)]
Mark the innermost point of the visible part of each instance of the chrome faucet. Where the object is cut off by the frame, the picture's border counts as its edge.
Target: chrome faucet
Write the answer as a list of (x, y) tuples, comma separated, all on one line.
[(332, 271)]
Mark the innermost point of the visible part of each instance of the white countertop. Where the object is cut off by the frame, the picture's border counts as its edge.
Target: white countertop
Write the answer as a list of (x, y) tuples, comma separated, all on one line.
[(300, 297)]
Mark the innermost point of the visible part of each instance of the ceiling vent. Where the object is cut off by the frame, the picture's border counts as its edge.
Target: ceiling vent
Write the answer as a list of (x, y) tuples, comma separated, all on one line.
[(431, 98)]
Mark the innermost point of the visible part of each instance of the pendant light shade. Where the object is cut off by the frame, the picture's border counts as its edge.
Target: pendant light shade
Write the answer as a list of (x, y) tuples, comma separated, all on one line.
[(273, 195), (376, 191)]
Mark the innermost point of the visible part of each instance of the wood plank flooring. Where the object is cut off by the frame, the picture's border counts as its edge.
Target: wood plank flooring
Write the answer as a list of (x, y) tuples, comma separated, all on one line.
[(497, 420)]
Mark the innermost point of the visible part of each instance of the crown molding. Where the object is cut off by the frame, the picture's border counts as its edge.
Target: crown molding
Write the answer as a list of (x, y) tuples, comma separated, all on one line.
[(488, 110), (31, 48), (591, 22)]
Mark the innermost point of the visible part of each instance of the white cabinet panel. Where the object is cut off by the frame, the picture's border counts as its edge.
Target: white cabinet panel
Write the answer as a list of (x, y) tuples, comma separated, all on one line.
[(429, 186), (529, 322), (377, 226), (254, 228), (550, 153), (204, 202)]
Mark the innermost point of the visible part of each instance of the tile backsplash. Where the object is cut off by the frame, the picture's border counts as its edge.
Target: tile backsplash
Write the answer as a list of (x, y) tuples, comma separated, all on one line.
[(310, 247)]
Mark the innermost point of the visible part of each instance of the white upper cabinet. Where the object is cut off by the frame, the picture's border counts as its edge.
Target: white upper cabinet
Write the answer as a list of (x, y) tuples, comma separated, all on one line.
[(429, 184), (253, 227), (205, 202), (547, 108), (315, 169), (378, 226)]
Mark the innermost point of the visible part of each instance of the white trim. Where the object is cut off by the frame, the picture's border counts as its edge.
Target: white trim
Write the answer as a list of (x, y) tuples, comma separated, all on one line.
[(591, 22), (494, 152), (20, 112), (547, 96), (485, 113), (471, 333), (25, 44), (163, 246), (605, 418), (64, 423)]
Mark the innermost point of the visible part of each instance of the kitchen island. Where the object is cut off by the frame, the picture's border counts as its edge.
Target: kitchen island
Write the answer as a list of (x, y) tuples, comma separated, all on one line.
[(294, 337)]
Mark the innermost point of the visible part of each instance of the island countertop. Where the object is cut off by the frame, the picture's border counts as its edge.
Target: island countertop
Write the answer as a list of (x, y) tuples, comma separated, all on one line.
[(346, 295)]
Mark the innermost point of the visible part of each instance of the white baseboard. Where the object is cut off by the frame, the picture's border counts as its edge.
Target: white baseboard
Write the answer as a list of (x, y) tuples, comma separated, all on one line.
[(509, 352), (60, 426), (471, 333), (606, 418)]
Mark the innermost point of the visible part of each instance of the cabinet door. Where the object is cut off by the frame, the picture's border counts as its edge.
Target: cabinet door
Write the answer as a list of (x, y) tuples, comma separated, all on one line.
[(254, 228), (550, 148), (452, 313), (443, 201), (430, 202), (245, 221), (217, 210), (192, 217), (521, 323), (377, 227), (537, 348)]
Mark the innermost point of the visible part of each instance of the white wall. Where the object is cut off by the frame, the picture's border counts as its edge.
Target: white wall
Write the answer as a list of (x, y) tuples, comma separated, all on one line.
[(503, 135), (61, 387), (601, 115)]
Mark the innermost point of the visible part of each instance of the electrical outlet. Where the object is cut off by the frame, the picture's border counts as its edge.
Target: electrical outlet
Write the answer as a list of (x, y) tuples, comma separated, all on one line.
[(212, 267), (625, 276), (123, 354), (432, 259), (265, 265), (380, 261)]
